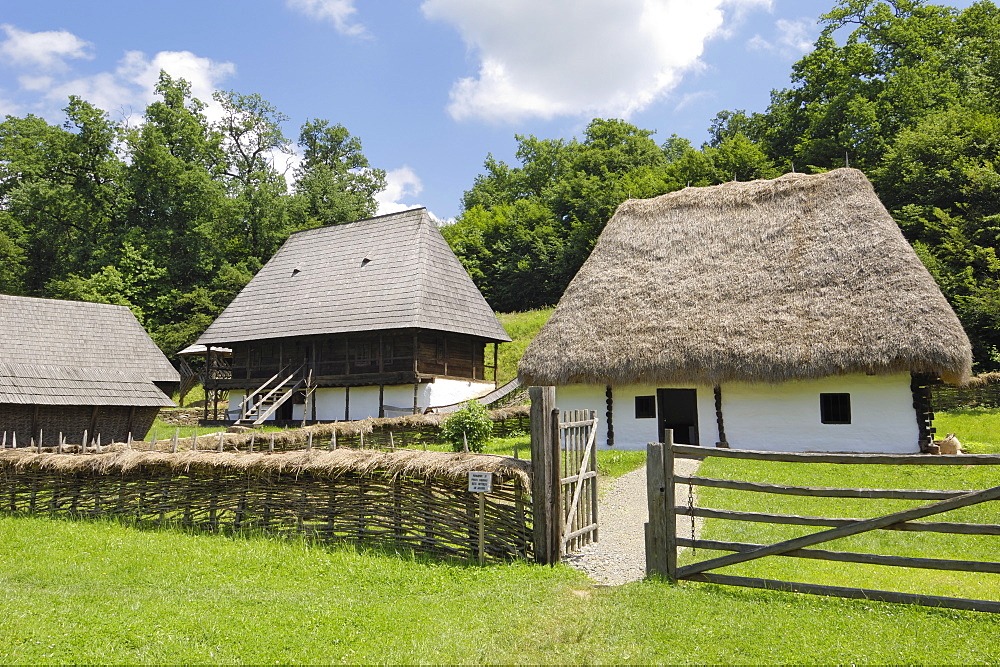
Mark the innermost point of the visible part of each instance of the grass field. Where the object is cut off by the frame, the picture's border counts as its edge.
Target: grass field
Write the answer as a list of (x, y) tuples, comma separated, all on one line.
[(101, 592)]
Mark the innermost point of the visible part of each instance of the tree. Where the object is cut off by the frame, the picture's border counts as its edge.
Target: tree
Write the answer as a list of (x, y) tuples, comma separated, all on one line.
[(335, 182)]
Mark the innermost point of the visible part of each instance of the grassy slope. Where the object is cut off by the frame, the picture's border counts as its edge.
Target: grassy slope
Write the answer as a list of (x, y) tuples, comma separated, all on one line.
[(522, 328), (103, 592)]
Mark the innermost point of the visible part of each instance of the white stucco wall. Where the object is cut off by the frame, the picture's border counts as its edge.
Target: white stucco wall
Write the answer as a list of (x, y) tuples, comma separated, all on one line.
[(330, 401), (786, 417), (781, 417), (632, 433)]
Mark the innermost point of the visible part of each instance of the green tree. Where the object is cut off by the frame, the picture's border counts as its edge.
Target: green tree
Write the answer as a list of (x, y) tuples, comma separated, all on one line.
[(335, 182)]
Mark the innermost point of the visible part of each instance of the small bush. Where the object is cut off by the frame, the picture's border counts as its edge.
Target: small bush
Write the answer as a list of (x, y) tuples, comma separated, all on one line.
[(474, 421)]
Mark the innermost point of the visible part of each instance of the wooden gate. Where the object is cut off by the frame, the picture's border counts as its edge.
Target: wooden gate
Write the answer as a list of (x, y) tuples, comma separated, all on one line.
[(662, 540), (564, 477)]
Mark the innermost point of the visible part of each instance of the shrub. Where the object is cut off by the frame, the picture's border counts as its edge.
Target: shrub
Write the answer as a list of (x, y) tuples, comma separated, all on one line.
[(474, 421)]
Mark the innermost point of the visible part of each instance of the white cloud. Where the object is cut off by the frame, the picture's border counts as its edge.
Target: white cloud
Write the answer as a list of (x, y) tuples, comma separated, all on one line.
[(793, 38), (48, 49), (400, 183), (132, 85), (570, 57), (337, 12)]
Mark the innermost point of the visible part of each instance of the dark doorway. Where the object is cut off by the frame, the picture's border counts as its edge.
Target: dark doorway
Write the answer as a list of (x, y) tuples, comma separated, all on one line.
[(284, 411), (678, 410)]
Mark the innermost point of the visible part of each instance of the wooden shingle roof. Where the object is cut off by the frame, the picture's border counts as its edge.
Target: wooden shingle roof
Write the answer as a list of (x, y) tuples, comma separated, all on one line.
[(56, 352), (390, 272)]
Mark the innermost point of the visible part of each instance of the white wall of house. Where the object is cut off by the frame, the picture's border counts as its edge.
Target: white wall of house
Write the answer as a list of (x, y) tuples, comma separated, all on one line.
[(786, 417), (778, 417), (364, 401), (632, 433)]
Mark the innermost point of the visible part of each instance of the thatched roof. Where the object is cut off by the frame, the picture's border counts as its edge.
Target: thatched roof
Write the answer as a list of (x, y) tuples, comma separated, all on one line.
[(390, 272), (408, 462), (55, 352), (792, 278)]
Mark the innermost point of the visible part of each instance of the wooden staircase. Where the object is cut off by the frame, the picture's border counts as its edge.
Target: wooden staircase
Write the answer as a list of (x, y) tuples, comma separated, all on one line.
[(261, 403)]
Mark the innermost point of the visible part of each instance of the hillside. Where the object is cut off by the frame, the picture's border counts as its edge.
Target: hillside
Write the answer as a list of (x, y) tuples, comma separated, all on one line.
[(522, 328)]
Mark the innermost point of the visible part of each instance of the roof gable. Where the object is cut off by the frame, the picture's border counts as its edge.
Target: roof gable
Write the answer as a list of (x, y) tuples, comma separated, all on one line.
[(390, 272), (797, 277)]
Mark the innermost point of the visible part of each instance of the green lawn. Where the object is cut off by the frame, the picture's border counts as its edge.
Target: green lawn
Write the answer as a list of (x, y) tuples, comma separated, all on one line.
[(977, 428), (101, 592)]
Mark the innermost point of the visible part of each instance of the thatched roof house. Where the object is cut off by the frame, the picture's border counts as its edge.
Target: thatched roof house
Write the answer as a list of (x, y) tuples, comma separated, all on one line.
[(765, 282), (70, 366), (381, 303)]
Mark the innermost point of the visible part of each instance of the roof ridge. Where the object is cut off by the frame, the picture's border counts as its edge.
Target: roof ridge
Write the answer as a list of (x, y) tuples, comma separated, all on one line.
[(360, 220)]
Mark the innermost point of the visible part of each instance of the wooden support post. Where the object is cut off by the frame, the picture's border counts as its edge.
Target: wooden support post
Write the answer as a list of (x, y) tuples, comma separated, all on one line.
[(35, 428), (381, 400), (545, 476), (482, 528), (347, 404), (495, 385), (609, 415), (416, 389), (717, 390), (93, 420)]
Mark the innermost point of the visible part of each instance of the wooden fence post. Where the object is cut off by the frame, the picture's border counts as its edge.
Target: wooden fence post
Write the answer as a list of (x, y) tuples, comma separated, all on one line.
[(661, 531), (546, 511)]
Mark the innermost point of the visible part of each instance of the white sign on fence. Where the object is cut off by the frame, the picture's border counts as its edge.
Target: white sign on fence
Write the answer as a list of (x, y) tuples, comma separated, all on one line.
[(480, 482)]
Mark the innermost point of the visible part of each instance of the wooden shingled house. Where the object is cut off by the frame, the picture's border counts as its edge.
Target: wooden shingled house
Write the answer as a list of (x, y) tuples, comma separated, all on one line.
[(68, 367), (366, 319)]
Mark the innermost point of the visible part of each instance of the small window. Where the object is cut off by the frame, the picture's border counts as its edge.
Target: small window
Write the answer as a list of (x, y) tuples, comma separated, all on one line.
[(835, 408), (645, 407)]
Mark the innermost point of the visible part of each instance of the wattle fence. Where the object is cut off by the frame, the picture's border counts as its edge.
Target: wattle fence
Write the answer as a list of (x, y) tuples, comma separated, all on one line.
[(406, 499)]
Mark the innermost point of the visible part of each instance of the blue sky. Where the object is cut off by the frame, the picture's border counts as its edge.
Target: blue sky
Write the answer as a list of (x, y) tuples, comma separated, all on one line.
[(430, 86)]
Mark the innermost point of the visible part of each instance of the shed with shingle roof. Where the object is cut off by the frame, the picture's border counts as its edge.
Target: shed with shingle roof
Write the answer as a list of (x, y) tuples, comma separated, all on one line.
[(70, 366), (362, 313)]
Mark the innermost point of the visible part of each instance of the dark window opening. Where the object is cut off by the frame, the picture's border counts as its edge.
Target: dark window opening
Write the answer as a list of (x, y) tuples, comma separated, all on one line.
[(645, 407), (835, 408)]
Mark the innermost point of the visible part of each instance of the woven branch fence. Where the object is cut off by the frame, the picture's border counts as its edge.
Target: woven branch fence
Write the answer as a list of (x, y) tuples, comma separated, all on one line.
[(983, 391), (402, 499)]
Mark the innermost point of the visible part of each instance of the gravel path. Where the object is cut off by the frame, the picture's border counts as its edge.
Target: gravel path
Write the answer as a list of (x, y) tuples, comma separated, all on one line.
[(620, 555)]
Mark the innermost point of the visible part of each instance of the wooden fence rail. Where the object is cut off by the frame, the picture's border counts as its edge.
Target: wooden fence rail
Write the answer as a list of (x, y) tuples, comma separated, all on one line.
[(662, 541)]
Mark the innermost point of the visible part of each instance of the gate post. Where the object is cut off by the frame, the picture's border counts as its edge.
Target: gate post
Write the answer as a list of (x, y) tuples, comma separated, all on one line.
[(546, 512), (661, 531)]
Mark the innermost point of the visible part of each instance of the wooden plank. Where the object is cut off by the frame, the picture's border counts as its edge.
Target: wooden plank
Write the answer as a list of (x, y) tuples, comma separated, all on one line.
[(853, 593), (822, 491), (973, 498), (670, 519), (854, 557), (593, 483), (691, 451), (656, 503), (576, 424), (582, 531), (796, 520)]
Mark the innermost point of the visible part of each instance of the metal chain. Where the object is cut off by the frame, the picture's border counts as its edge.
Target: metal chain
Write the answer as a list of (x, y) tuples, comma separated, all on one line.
[(691, 513)]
